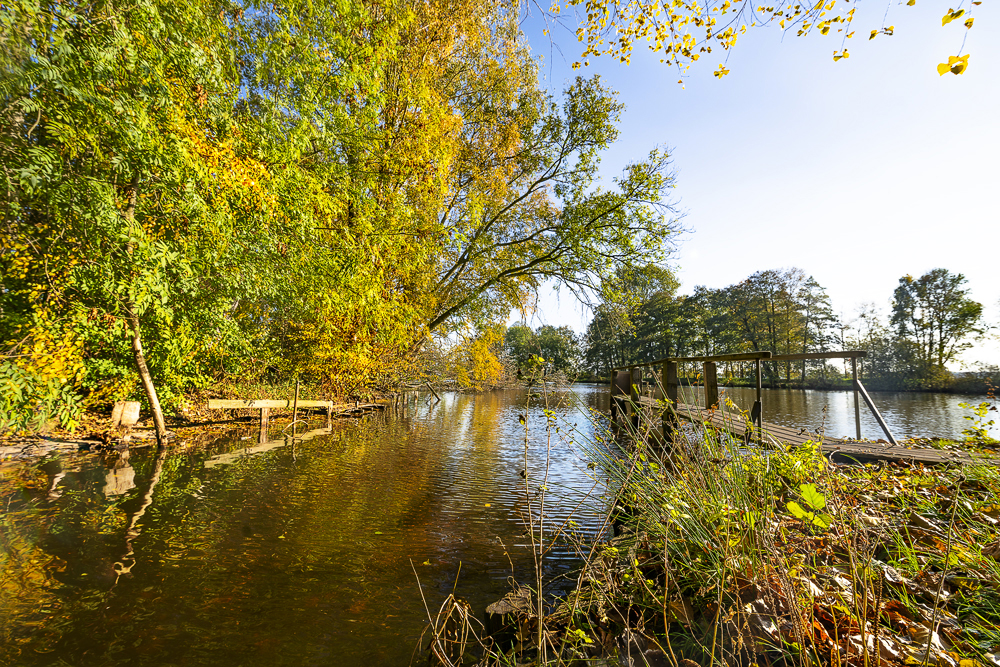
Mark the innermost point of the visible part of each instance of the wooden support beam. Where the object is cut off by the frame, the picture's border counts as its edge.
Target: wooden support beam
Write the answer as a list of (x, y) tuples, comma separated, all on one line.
[(619, 390), (634, 394), (264, 413), (668, 379), (612, 406), (857, 406), (858, 387), (845, 354), (740, 356), (711, 384)]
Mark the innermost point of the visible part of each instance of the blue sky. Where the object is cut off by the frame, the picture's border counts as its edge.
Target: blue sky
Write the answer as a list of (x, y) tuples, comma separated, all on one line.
[(858, 171)]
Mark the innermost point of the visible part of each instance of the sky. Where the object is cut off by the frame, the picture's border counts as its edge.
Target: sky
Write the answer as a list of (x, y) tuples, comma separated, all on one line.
[(859, 171)]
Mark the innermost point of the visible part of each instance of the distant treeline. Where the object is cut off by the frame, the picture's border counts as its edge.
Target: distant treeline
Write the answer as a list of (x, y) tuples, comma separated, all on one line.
[(642, 318), (932, 320)]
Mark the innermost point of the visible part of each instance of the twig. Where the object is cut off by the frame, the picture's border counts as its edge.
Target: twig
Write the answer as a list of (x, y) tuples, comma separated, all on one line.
[(944, 572)]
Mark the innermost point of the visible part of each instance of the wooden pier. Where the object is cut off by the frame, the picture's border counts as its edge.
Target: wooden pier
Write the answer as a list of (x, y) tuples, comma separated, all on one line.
[(839, 450), (632, 391), (266, 405)]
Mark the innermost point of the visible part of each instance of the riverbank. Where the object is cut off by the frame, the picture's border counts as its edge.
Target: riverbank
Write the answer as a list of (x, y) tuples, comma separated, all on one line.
[(190, 422), (724, 556)]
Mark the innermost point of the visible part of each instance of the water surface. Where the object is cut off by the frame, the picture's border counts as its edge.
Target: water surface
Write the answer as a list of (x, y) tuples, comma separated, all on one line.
[(907, 414), (288, 554), (309, 552)]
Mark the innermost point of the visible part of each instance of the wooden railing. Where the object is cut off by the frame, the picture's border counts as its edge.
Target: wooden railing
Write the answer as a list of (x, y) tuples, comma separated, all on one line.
[(627, 380)]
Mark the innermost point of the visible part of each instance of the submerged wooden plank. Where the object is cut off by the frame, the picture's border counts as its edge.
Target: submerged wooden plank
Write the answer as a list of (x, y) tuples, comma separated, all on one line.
[(227, 404), (838, 449)]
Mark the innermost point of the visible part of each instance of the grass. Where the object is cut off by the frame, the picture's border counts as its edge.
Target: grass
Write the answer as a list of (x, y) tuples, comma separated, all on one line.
[(726, 555)]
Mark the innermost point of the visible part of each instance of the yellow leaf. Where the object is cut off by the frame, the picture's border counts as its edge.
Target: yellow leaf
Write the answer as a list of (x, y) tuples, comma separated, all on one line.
[(955, 65), (947, 18), (910, 3), (872, 36), (968, 22)]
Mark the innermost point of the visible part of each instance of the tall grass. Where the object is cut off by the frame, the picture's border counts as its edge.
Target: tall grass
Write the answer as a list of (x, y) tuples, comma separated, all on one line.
[(728, 554)]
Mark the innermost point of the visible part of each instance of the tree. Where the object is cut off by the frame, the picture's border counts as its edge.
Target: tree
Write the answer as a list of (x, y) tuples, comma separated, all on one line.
[(520, 344), (528, 209), (123, 186), (817, 319), (935, 314), (558, 346)]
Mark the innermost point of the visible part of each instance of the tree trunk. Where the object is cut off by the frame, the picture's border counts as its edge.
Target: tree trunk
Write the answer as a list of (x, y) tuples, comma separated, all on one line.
[(147, 382), (140, 358)]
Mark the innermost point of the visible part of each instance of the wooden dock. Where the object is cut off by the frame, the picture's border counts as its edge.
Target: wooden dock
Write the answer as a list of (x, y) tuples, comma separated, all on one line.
[(837, 449), (355, 409), (633, 388)]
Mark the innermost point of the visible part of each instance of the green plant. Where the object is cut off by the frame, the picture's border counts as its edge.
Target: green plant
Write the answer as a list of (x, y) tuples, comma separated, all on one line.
[(815, 501), (979, 428)]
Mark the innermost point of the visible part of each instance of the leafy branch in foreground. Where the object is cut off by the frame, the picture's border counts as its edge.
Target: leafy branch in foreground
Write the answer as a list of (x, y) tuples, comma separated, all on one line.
[(682, 31)]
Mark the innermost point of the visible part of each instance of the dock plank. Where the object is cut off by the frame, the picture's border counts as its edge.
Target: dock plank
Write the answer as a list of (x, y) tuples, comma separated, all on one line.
[(839, 450)]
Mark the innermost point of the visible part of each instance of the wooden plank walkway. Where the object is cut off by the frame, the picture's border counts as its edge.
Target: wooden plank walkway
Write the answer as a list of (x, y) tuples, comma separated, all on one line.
[(839, 450)]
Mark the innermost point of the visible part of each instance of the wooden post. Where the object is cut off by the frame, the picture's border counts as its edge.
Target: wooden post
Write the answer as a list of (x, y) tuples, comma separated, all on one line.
[(635, 395), (433, 392), (711, 385), (757, 412), (264, 412), (669, 379), (612, 406), (857, 406), (295, 405), (329, 415), (759, 381)]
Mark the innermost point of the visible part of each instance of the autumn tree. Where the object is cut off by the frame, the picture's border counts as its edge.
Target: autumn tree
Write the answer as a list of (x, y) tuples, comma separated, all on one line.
[(123, 186), (524, 205), (935, 314)]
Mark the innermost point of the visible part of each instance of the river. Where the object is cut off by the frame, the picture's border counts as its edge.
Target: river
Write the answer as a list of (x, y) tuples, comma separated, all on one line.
[(908, 414), (309, 553), (303, 554)]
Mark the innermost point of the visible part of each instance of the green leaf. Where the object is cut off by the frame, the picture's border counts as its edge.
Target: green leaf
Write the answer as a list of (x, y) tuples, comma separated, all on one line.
[(797, 511), (812, 496)]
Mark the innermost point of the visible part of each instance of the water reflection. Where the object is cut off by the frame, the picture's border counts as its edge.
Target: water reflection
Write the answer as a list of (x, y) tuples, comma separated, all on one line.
[(294, 555), (907, 414)]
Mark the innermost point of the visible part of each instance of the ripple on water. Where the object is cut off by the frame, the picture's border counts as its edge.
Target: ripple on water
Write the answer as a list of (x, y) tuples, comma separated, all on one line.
[(298, 555)]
